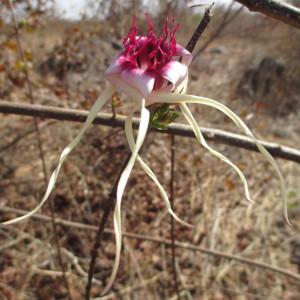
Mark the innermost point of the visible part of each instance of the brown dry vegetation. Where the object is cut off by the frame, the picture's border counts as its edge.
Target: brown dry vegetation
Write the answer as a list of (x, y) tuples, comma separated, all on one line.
[(67, 65)]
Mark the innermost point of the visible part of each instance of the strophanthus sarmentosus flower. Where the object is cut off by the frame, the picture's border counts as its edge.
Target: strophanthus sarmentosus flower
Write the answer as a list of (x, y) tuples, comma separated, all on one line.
[(152, 70), (149, 63)]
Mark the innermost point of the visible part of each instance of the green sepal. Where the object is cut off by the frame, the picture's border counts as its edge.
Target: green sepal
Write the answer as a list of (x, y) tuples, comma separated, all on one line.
[(162, 115)]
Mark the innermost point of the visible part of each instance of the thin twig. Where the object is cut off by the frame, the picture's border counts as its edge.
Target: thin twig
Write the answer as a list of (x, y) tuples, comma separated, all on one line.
[(105, 119), (227, 19), (279, 10), (138, 269), (50, 273), (130, 289), (12, 243), (75, 262), (200, 29), (23, 135), (178, 244), (108, 206), (40, 146)]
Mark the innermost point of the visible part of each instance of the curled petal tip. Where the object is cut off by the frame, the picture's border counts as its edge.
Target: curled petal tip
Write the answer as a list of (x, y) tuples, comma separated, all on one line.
[(289, 223), (175, 72), (179, 220), (186, 56)]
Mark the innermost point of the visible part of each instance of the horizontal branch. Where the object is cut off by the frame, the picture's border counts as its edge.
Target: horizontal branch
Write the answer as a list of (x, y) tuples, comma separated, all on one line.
[(279, 10), (241, 259), (217, 135)]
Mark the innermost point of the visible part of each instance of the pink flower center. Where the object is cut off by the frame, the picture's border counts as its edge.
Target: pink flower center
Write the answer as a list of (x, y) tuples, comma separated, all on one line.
[(151, 52)]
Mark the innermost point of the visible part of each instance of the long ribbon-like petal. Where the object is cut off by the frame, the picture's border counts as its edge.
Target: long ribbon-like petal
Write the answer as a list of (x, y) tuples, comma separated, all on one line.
[(178, 99), (142, 131), (149, 172), (92, 114), (189, 117)]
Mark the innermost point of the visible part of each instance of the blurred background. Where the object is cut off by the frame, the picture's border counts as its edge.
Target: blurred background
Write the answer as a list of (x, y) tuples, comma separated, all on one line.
[(245, 60)]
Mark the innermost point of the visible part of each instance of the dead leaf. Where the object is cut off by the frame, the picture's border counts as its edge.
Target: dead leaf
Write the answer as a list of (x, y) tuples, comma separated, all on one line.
[(2, 68), (229, 184), (20, 65), (28, 55), (11, 44)]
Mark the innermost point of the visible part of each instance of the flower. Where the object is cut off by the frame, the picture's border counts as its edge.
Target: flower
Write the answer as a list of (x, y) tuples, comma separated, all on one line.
[(149, 63), (153, 70)]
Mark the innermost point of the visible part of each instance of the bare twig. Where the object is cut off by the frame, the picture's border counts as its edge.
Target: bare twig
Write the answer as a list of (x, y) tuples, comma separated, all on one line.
[(12, 243), (200, 29), (39, 140), (108, 206), (158, 240), (138, 269), (217, 135), (227, 19), (50, 273), (130, 289), (23, 135), (279, 10), (75, 262)]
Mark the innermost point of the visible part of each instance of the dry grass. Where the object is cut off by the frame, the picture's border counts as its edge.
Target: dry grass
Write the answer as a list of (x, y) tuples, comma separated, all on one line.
[(208, 194)]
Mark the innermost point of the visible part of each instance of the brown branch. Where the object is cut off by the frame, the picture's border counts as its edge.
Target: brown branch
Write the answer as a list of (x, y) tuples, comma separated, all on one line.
[(226, 20), (279, 10), (200, 29), (108, 206), (178, 244), (217, 135)]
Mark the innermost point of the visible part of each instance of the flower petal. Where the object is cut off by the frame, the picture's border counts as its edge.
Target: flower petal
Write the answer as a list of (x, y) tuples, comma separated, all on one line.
[(178, 99), (145, 115), (149, 172), (182, 87), (175, 72), (139, 80), (114, 75), (187, 56), (189, 117), (92, 115), (123, 87), (116, 66)]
